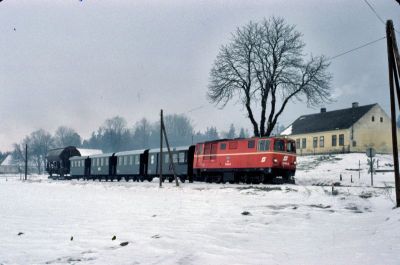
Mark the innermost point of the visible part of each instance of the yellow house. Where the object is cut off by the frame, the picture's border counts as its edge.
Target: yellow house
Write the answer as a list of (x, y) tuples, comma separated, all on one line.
[(346, 130)]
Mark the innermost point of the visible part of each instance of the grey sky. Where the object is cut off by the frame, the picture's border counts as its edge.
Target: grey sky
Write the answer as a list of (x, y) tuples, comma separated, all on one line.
[(77, 63)]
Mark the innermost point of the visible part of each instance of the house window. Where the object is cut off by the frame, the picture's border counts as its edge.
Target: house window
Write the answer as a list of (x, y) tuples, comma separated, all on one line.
[(223, 146), (304, 143), (381, 119), (251, 144), (341, 139), (373, 118), (334, 140), (321, 141), (298, 143), (354, 143), (315, 142)]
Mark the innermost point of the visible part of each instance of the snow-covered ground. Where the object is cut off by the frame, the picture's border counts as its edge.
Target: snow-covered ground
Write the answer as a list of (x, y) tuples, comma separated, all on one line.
[(205, 223)]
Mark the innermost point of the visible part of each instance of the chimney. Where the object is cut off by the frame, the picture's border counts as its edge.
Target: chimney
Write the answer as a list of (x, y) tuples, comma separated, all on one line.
[(323, 110), (354, 105)]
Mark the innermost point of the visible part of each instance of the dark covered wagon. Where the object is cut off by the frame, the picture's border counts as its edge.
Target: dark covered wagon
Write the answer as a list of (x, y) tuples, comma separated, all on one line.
[(57, 160)]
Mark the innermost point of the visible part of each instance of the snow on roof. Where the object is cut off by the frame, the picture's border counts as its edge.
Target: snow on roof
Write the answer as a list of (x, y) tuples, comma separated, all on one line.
[(89, 152), (8, 161), (287, 131)]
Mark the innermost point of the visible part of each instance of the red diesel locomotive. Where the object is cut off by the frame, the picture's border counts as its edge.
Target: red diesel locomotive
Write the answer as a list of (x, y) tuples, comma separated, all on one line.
[(252, 160)]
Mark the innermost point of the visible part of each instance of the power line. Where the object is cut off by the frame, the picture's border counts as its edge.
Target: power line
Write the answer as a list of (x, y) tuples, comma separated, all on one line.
[(356, 48), (377, 14)]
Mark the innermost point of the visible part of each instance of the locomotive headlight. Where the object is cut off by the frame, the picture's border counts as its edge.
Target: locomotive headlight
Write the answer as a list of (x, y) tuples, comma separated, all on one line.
[(275, 160)]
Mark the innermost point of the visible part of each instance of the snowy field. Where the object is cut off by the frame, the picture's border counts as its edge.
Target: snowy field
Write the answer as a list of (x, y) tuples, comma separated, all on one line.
[(205, 223)]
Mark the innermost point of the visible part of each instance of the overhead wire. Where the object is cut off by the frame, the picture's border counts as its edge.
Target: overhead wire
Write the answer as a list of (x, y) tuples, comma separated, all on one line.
[(356, 48), (376, 13)]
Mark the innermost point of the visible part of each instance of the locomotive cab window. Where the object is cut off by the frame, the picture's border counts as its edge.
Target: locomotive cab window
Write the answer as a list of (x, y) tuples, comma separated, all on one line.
[(279, 145), (263, 145), (250, 144), (291, 147), (222, 146)]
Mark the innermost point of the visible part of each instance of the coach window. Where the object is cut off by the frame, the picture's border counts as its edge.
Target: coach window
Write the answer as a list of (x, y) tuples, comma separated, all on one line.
[(279, 145), (131, 160), (106, 161), (222, 146), (166, 158), (341, 139), (137, 159), (152, 159), (315, 142), (125, 160), (181, 158), (321, 141), (120, 161), (250, 144), (175, 158)]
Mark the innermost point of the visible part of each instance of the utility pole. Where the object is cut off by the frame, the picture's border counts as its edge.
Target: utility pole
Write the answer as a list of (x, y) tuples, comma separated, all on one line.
[(163, 132), (161, 146), (26, 161), (393, 59), (170, 155)]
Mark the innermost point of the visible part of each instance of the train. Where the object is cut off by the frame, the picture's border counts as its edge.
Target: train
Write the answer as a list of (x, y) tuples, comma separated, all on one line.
[(246, 160)]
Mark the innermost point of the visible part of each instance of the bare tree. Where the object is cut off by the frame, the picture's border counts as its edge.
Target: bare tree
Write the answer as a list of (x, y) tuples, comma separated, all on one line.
[(264, 65), (65, 136)]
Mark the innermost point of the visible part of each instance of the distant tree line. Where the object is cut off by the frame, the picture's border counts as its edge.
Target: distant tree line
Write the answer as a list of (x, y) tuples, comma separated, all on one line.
[(116, 135)]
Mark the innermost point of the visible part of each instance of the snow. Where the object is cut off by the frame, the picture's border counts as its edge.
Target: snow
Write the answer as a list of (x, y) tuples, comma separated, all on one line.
[(203, 223), (287, 131), (8, 161), (89, 152)]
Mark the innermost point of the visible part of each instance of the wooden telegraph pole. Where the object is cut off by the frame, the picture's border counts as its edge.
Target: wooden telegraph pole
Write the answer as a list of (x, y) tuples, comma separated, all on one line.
[(26, 161), (393, 60), (161, 146), (163, 132)]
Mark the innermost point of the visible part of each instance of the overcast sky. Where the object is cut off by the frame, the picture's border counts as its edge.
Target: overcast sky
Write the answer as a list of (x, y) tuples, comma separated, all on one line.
[(77, 63)]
